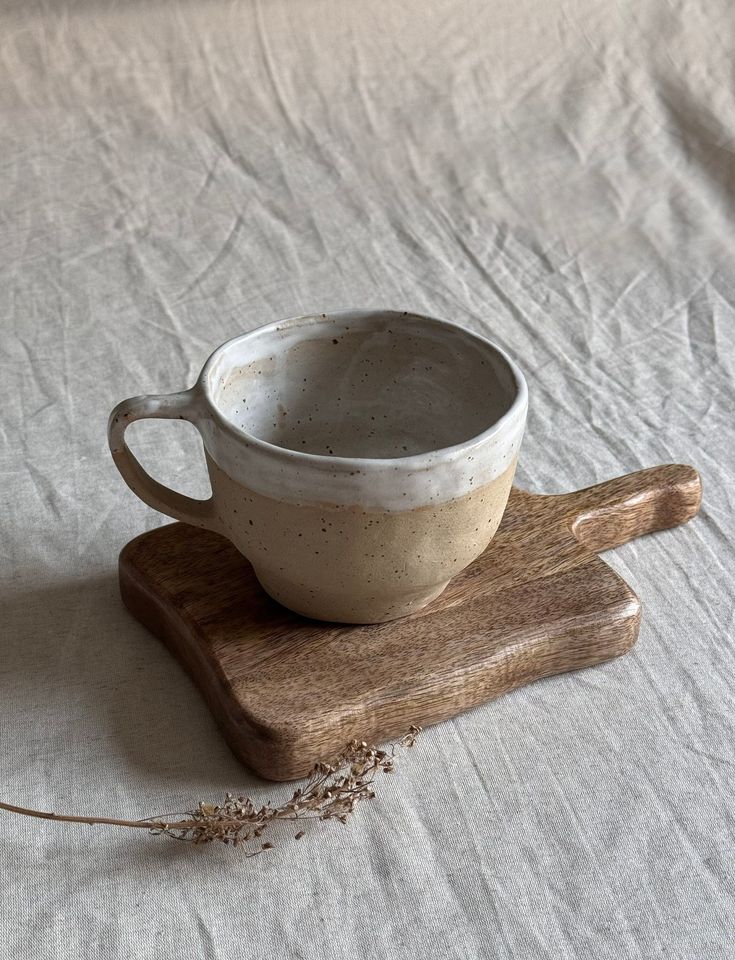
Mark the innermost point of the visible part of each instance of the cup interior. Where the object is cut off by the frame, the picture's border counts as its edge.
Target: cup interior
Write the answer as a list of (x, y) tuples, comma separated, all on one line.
[(362, 385)]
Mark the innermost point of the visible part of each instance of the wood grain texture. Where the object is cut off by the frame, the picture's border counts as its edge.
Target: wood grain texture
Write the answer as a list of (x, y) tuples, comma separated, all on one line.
[(288, 691)]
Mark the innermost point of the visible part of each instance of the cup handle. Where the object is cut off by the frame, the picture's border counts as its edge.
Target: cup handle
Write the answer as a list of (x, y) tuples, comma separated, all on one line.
[(171, 406)]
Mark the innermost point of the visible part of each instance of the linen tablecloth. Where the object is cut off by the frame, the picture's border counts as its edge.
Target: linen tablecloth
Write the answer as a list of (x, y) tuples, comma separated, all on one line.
[(557, 175)]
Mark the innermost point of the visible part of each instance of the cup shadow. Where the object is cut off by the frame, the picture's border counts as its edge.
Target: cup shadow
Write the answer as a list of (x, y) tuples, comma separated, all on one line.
[(101, 689)]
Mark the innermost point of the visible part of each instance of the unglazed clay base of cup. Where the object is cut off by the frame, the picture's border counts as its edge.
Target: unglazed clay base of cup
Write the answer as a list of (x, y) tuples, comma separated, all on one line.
[(360, 460), (289, 692), (352, 565)]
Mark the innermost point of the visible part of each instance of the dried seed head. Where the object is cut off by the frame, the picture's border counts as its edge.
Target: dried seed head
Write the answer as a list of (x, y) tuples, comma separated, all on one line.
[(332, 791)]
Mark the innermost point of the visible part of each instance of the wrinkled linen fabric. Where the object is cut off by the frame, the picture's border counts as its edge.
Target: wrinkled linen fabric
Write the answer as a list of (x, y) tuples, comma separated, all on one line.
[(559, 176)]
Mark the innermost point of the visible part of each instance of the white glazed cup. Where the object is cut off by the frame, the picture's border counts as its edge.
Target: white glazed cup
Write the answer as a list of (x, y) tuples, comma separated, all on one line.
[(358, 460)]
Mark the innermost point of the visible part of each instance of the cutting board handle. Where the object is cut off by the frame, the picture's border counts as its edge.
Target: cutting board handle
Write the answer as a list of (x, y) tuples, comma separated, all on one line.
[(616, 511)]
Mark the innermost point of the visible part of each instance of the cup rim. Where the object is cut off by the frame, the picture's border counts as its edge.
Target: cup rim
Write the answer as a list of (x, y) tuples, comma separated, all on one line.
[(416, 461)]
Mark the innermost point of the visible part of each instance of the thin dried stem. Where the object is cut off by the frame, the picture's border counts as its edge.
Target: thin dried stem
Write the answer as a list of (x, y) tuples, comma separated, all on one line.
[(331, 792), (69, 818)]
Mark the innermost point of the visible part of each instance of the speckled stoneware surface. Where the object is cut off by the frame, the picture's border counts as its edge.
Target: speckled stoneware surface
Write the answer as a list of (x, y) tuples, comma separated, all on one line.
[(359, 460)]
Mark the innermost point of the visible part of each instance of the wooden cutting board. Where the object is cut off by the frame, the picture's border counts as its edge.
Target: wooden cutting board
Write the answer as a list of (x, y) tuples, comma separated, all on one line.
[(288, 691)]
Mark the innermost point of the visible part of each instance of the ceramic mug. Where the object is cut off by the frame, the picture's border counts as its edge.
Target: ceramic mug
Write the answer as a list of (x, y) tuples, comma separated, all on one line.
[(358, 460)]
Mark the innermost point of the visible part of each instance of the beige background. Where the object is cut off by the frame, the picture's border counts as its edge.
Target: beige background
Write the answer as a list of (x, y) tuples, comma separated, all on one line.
[(559, 175)]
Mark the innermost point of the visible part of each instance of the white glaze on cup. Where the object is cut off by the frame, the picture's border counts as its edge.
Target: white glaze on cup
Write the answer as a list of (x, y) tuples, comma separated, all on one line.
[(347, 440)]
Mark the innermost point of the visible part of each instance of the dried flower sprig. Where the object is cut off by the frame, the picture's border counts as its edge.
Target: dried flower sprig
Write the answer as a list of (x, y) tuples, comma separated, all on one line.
[(331, 793)]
